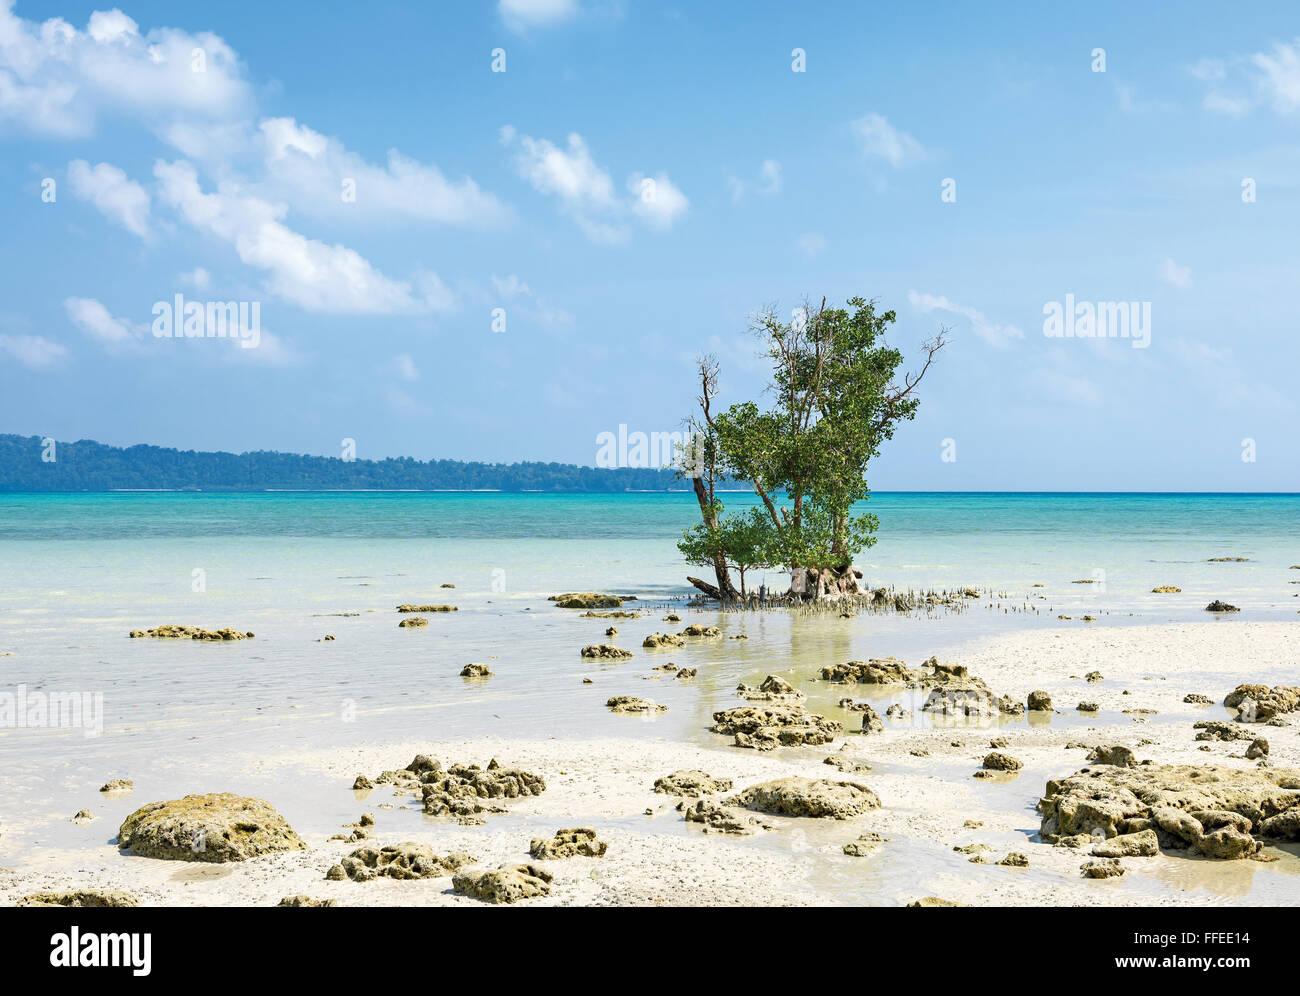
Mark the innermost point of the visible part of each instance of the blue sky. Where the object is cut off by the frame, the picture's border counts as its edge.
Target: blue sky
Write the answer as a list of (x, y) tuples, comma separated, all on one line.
[(523, 190)]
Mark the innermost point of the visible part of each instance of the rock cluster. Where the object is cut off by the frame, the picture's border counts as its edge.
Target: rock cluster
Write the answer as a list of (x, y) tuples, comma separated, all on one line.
[(80, 898), (811, 797), (589, 600), (408, 607), (1259, 703), (717, 818), (697, 630), (768, 727), (476, 671), (605, 652), (658, 641), (691, 782), (632, 705), (217, 827), (460, 789), (173, 632), (414, 622), (507, 884), (773, 689), (407, 860), (1218, 812), (570, 843)]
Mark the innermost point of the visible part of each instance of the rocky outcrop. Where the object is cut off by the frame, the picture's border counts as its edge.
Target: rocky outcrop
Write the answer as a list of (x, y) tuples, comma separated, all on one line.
[(174, 632), (697, 630), (589, 600), (571, 843), (81, 898), (1214, 730), (476, 671), (408, 607), (1218, 812), (996, 761), (217, 827), (871, 721), (773, 689), (660, 641), (953, 690), (1194, 698), (507, 884), (717, 818), (605, 652), (1113, 754), (1039, 702), (304, 900), (1143, 844), (1166, 589), (691, 782), (1218, 606), (628, 705), (1102, 868), (117, 785), (810, 797), (414, 622), (407, 860), (768, 727), (1260, 703), (461, 789)]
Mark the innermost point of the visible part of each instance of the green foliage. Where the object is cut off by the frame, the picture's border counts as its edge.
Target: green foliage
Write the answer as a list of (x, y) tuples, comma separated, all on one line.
[(91, 466), (835, 402)]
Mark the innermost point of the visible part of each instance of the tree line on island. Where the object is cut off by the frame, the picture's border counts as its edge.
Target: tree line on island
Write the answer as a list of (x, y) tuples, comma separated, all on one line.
[(836, 398), (26, 465)]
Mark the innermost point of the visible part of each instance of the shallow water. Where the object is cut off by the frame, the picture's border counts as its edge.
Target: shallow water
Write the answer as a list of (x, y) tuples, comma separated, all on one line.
[(78, 572)]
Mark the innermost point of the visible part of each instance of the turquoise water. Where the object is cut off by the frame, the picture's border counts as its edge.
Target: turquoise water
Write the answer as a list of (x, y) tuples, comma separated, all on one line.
[(78, 572)]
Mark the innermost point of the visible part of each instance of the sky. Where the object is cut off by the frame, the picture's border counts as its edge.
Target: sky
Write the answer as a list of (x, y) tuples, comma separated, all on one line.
[(494, 231)]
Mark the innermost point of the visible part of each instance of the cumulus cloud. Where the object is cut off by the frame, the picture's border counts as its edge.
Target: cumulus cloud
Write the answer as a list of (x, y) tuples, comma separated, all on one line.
[(315, 173), (312, 274), (57, 80), (33, 351), (878, 139), (520, 15), (118, 198), (586, 191), (92, 318), (994, 333)]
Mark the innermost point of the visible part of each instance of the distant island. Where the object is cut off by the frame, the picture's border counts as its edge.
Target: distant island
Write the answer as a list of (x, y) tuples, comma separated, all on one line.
[(26, 465)]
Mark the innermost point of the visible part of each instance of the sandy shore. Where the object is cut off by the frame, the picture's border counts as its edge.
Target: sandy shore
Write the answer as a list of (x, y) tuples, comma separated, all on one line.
[(923, 775)]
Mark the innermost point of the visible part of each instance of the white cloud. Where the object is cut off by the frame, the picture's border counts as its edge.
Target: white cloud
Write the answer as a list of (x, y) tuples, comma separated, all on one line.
[(1175, 273), (1219, 103), (509, 287), (307, 272), (520, 15), (877, 138), (769, 183), (310, 171), (991, 332), (94, 319), (656, 200), (119, 199), (586, 190), (33, 351), (1280, 75), (56, 80), (198, 278)]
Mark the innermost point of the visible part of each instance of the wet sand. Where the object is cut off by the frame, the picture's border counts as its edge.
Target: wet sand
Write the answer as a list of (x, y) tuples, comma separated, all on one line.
[(605, 781)]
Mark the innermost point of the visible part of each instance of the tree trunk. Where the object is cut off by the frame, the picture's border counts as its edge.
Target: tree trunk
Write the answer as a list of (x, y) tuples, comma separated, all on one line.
[(705, 587), (725, 591), (825, 582)]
